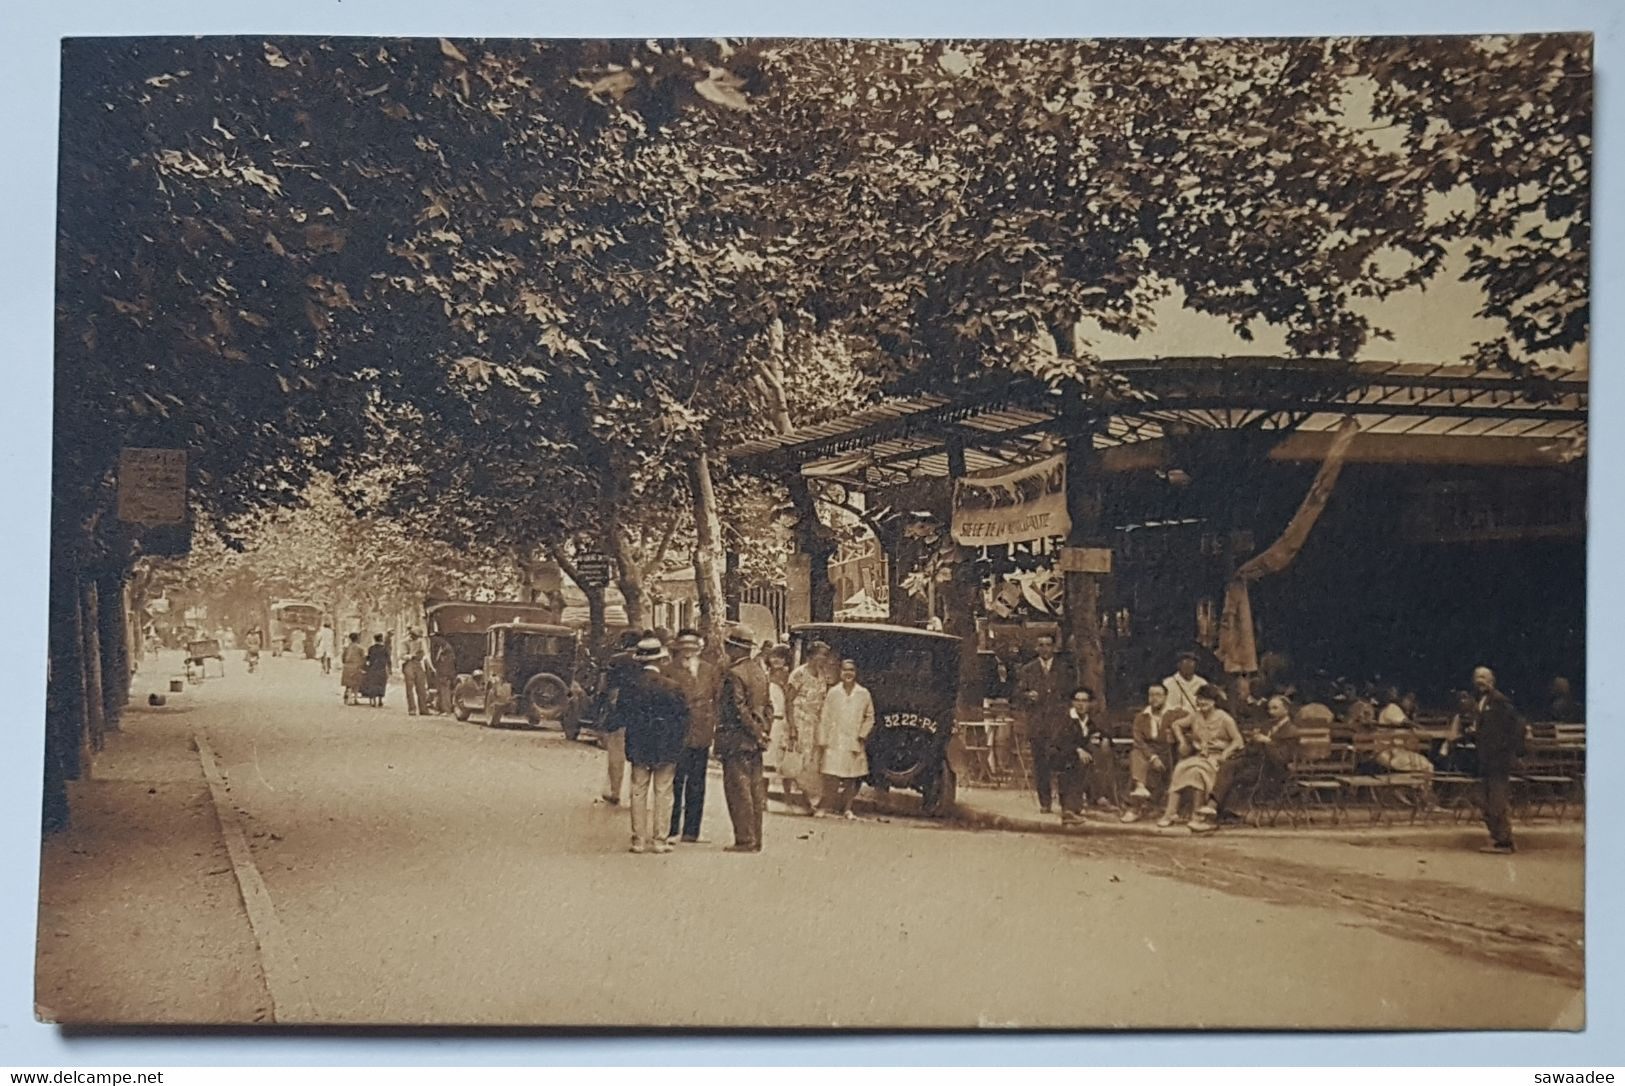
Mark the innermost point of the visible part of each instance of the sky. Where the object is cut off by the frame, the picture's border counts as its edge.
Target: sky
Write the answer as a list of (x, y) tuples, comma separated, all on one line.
[(1437, 324)]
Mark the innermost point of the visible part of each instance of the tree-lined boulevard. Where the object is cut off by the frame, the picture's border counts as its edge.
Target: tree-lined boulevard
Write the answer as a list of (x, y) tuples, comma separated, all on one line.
[(520, 298), (425, 871)]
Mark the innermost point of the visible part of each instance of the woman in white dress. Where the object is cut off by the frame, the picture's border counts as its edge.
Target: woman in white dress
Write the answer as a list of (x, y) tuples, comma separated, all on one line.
[(807, 687), (777, 661), (843, 730)]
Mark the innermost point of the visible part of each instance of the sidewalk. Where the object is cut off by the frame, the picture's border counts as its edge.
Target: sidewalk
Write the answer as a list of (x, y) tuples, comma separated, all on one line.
[(140, 917), (1016, 809), (1547, 872)]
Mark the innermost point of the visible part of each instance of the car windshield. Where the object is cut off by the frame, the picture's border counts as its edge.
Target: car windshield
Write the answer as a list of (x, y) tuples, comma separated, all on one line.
[(538, 649), (890, 662)]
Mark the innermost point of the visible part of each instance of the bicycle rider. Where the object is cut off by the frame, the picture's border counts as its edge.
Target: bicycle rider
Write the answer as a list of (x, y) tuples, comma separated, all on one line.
[(252, 643)]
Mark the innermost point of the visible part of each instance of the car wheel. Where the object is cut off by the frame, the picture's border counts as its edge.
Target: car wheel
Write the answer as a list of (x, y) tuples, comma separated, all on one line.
[(461, 706), (546, 698), (940, 793)]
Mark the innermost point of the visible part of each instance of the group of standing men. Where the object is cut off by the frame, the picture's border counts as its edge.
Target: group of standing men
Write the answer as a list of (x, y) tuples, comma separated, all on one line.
[(668, 711)]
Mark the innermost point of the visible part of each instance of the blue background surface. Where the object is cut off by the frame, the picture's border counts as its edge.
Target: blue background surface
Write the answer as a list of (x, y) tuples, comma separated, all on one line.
[(28, 105)]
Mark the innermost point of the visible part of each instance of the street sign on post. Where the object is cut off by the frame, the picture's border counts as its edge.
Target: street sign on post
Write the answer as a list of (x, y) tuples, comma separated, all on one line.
[(593, 569), (152, 486)]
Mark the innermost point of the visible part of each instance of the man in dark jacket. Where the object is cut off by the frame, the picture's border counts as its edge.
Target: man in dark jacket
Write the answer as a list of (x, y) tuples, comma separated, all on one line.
[(443, 666), (1499, 738), (701, 684), (618, 671), (655, 717), (1082, 756), (1044, 689), (742, 734)]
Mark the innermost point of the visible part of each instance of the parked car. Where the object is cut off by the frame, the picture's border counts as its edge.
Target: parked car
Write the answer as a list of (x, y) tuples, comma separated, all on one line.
[(530, 670), (913, 676), (463, 625)]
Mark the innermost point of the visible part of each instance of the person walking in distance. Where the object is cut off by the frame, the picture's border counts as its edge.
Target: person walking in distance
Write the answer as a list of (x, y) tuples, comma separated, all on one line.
[(352, 669), (1184, 685), (324, 647), (375, 676), (701, 684), (742, 735), (1045, 686), (412, 672), (1500, 741), (656, 723), (621, 669)]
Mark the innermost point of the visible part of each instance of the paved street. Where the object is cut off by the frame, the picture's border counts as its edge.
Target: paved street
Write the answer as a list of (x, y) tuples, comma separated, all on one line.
[(426, 871)]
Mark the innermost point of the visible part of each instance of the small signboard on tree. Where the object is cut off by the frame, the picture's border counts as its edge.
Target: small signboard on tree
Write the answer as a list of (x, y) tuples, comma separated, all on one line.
[(152, 499), (152, 486), (593, 569)]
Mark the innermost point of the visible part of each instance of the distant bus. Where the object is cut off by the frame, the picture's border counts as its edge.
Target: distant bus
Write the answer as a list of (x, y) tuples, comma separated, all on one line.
[(288, 618)]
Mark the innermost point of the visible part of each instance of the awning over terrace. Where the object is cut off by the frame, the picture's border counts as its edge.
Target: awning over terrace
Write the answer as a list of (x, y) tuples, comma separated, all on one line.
[(1406, 411)]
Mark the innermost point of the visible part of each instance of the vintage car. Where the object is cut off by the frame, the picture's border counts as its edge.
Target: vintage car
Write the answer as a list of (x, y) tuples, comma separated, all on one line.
[(530, 671), (913, 676), (462, 625), (293, 626)]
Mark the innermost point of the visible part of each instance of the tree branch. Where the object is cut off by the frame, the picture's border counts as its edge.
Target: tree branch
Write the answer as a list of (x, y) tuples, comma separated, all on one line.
[(556, 552), (659, 554)]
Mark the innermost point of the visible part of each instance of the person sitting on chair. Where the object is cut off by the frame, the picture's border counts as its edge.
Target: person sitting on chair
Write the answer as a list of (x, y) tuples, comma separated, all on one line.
[(1207, 739)]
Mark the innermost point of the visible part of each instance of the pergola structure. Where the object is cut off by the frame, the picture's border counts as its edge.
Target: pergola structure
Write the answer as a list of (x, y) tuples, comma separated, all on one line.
[(1406, 411), (1144, 415)]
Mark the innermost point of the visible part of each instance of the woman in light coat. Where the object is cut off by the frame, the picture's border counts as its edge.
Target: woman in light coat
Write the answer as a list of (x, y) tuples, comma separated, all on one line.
[(843, 730)]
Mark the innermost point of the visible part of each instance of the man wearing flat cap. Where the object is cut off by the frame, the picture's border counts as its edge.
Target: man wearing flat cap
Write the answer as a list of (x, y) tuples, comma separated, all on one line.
[(656, 718), (742, 733), (701, 684)]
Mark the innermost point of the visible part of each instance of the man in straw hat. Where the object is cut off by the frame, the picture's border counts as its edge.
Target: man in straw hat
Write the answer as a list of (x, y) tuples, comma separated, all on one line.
[(656, 718), (701, 684)]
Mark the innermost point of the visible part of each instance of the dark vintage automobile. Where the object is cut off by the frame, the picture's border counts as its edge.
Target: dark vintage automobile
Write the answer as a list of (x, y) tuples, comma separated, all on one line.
[(530, 671), (913, 676), (462, 624)]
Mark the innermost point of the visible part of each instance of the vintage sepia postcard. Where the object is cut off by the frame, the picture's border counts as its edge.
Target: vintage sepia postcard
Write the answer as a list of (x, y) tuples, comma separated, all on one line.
[(862, 534)]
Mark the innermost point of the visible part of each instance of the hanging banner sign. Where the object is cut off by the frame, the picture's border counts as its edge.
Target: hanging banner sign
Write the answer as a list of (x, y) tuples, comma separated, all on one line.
[(1012, 505)]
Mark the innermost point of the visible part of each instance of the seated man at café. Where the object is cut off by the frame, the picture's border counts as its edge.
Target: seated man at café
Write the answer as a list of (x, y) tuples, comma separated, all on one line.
[(1083, 756), (1154, 752), (1207, 739), (1262, 768), (1564, 708), (1457, 753)]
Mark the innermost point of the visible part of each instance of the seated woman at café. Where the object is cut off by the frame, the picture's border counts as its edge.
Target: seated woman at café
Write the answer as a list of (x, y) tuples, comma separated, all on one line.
[(1208, 739), (1386, 742), (1394, 713)]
